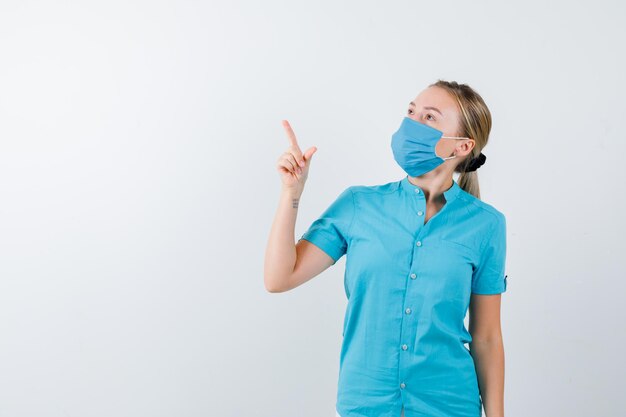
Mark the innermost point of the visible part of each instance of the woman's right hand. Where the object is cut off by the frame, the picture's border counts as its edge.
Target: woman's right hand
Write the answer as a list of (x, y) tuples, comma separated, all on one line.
[(293, 165)]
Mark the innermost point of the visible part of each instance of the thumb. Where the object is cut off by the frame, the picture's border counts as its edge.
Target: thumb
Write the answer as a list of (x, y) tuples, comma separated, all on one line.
[(309, 153)]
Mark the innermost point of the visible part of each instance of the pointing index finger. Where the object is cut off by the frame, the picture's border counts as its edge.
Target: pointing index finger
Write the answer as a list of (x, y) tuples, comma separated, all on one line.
[(290, 134)]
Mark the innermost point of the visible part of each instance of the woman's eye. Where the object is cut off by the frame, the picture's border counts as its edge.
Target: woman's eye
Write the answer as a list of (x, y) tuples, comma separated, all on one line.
[(409, 111)]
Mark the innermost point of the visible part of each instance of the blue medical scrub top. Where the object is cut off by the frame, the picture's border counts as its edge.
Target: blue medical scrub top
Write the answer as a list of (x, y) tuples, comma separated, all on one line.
[(408, 286)]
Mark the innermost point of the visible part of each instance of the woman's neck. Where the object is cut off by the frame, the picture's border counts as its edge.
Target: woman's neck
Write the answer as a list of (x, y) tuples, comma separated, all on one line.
[(433, 185)]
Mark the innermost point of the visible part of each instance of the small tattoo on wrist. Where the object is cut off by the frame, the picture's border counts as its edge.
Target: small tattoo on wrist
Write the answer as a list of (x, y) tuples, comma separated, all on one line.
[(294, 202)]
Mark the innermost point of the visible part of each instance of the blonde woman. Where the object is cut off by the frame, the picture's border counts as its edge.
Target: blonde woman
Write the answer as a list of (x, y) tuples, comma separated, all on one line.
[(420, 252)]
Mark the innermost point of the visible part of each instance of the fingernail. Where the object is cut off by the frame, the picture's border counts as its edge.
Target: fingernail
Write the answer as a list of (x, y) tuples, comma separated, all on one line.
[(301, 163)]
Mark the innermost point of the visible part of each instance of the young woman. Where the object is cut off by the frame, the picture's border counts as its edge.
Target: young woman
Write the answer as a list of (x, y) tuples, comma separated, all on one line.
[(420, 252)]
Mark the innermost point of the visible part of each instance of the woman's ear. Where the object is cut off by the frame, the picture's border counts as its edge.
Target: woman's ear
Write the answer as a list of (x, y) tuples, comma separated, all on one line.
[(465, 147)]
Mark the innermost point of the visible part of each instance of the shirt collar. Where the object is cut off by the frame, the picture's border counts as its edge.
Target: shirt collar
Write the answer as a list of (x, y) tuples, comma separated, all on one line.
[(449, 194)]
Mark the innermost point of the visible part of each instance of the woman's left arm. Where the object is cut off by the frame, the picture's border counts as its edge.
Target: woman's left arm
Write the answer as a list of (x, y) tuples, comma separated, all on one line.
[(487, 350)]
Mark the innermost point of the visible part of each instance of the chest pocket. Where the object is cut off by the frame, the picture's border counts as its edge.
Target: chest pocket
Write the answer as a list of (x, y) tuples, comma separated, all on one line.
[(449, 266)]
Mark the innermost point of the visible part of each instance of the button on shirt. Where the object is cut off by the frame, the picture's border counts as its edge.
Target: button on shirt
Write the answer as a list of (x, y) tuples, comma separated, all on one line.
[(408, 285)]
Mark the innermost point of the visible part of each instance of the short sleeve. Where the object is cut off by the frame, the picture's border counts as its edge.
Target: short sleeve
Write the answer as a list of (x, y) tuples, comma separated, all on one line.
[(330, 232), (489, 276)]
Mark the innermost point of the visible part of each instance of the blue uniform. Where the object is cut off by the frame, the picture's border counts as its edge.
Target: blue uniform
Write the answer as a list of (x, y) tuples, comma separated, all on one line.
[(408, 285)]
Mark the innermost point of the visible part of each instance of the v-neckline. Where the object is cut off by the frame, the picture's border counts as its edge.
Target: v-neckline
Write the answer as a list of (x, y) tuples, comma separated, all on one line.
[(425, 222)]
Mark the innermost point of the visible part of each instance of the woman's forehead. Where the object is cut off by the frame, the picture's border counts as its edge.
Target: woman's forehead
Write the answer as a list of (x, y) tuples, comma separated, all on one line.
[(435, 97)]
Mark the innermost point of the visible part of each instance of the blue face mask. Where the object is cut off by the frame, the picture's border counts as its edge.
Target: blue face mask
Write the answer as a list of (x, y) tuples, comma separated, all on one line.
[(413, 146)]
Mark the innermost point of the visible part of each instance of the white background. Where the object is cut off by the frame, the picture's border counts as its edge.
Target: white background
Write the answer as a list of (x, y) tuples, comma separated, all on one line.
[(138, 183)]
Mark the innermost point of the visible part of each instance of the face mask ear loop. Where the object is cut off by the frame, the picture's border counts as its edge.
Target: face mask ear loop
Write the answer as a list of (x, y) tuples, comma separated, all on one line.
[(451, 137)]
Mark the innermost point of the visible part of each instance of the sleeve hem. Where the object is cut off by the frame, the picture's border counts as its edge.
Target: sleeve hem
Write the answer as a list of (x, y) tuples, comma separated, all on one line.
[(488, 292), (324, 244), (497, 290)]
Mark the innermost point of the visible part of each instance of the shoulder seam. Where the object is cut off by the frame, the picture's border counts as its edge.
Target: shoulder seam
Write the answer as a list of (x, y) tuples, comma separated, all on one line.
[(489, 210), (492, 230), (369, 189), (353, 213)]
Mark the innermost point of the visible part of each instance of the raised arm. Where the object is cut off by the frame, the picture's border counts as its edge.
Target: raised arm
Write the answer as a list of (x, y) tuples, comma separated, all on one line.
[(287, 264)]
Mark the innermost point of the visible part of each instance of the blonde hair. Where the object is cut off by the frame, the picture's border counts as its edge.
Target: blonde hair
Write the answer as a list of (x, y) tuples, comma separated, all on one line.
[(475, 122)]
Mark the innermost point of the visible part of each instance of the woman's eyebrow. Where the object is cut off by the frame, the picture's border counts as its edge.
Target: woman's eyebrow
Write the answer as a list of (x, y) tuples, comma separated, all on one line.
[(428, 107)]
